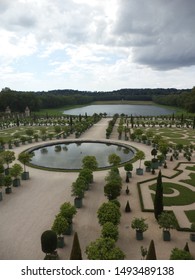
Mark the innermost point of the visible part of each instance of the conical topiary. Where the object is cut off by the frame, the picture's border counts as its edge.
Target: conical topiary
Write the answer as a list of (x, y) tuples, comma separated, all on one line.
[(186, 247), (76, 253), (151, 255), (127, 207)]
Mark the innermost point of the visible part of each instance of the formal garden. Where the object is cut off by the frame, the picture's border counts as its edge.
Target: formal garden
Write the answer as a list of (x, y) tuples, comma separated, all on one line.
[(169, 142)]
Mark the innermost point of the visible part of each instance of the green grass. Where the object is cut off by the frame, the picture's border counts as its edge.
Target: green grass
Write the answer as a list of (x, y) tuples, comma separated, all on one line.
[(190, 215), (190, 181), (192, 168), (185, 197)]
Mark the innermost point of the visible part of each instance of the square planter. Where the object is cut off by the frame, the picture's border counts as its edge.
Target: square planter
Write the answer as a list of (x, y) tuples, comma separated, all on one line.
[(148, 169), (68, 231), (129, 174), (154, 165), (139, 235), (8, 190), (60, 242), (1, 196), (139, 171), (16, 182), (166, 235), (25, 176), (78, 202), (192, 237)]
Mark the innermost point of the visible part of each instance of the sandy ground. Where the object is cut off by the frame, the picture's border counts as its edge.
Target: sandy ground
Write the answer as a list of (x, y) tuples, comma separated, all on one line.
[(32, 207)]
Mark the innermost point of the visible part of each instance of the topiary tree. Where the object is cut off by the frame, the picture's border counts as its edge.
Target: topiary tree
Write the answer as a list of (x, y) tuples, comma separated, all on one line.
[(8, 157), (112, 190), (25, 158), (127, 207), (114, 159), (179, 254), (151, 254), (7, 183), (90, 162), (158, 199), (76, 253), (60, 225), (48, 242), (109, 230), (109, 212), (67, 210), (87, 174), (104, 249), (16, 171), (140, 156)]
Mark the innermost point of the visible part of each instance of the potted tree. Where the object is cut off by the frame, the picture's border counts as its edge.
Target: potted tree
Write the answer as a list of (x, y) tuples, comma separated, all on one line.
[(7, 184), (60, 224), (192, 234), (16, 171), (167, 221), (128, 168), (78, 189), (148, 165), (49, 244), (68, 211), (25, 158), (140, 156), (140, 226), (8, 157), (154, 160)]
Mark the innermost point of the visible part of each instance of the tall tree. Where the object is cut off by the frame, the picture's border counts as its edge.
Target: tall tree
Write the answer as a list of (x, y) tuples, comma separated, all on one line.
[(76, 253), (158, 200)]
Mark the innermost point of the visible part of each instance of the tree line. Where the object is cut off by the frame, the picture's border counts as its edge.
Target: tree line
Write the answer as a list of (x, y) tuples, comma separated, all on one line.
[(18, 100)]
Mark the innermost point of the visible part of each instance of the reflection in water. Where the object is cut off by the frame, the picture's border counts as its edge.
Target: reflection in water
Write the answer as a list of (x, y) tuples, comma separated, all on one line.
[(52, 156)]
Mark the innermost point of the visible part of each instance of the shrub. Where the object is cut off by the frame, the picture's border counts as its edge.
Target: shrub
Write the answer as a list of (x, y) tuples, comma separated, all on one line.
[(48, 241)]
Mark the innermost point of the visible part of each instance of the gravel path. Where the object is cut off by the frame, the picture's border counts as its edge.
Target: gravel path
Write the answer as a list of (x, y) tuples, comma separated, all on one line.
[(31, 209)]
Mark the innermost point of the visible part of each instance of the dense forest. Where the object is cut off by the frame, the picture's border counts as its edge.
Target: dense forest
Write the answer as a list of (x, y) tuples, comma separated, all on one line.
[(18, 100)]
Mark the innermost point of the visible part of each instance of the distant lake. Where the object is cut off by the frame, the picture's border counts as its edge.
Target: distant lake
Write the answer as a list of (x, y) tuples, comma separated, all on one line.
[(110, 110)]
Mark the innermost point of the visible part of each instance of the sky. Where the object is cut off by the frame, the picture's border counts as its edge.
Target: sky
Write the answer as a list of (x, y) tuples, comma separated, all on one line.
[(97, 45)]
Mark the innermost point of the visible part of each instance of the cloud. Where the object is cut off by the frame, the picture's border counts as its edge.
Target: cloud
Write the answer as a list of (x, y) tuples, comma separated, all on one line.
[(160, 32), (100, 44)]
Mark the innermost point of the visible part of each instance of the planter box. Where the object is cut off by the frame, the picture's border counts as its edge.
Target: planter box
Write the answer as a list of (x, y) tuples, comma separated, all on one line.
[(129, 174), (192, 237), (1, 196), (68, 231), (78, 202), (25, 176), (139, 235), (148, 169), (60, 242), (166, 235), (8, 190), (139, 171), (16, 182), (154, 165)]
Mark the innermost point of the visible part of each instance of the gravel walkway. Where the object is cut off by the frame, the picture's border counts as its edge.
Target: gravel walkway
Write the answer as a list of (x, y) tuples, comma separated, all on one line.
[(31, 209)]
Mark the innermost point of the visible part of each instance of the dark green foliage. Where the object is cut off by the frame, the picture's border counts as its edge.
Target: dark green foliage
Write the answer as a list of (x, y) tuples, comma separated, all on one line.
[(48, 241), (158, 200), (178, 254), (186, 247), (151, 255), (109, 212), (109, 230), (112, 190), (127, 207), (76, 253), (104, 249)]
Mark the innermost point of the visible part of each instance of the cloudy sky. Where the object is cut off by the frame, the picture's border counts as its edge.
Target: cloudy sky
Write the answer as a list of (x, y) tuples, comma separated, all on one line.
[(97, 44)]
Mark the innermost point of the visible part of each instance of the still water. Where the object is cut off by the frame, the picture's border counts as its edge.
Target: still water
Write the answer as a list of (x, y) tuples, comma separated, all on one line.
[(70, 155), (110, 110)]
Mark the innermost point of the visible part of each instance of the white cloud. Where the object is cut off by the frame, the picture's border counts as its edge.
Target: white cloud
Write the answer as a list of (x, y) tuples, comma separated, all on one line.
[(97, 44)]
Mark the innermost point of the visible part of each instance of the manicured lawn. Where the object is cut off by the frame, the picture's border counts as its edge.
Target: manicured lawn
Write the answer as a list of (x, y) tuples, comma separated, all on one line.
[(190, 181), (185, 197), (192, 168), (191, 215)]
